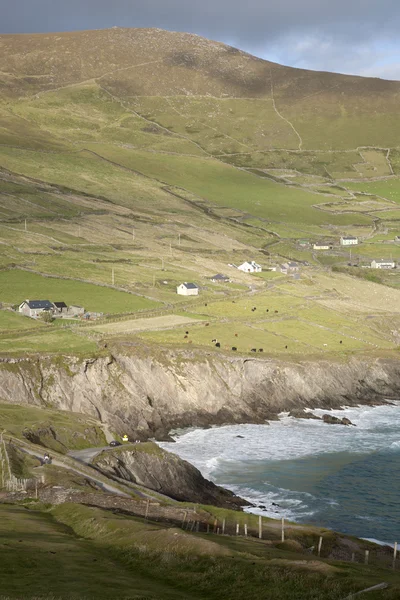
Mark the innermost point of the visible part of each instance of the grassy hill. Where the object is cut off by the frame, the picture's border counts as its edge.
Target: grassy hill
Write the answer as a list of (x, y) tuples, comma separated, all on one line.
[(134, 159)]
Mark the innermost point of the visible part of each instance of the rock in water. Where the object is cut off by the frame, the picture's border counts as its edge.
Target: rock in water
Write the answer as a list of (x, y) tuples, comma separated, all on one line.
[(148, 465), (335, 420), (300, 413)]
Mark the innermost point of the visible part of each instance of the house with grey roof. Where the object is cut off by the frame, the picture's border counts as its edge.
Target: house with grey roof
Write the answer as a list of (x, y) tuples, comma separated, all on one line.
[(34, 308), (348, 240), (383, 263), (187, 289), (219, 278)]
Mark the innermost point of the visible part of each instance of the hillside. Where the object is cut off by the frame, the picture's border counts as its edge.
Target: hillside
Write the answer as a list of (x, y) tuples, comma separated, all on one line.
[(132, 160)]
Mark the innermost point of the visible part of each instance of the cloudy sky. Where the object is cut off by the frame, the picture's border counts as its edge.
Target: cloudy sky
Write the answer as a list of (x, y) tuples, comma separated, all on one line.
[(349, 36)]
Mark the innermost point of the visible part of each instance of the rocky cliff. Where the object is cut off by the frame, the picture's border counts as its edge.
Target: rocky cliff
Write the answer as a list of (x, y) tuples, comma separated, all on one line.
[(148, 465), (144, 392)]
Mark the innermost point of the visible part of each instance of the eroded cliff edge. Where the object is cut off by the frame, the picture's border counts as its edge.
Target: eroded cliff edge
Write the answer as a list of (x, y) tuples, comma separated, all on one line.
[(146, 393)]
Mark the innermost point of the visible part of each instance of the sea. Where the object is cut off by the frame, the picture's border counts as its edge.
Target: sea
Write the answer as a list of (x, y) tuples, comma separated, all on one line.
[(346, 478)]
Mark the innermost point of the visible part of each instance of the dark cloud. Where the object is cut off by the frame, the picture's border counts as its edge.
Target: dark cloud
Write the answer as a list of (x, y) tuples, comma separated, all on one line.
[(303, 32)]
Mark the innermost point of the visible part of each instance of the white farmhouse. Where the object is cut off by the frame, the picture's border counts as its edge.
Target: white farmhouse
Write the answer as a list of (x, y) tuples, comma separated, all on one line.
[(250, 267), (34, 308), (349, 240), (187, 289), (387, 263)]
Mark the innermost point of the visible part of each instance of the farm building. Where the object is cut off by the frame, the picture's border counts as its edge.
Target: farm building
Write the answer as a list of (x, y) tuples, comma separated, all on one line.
[(322, 246), (250, 267), (60, 308), (187, 289), (76, 311), (349, 240), (290, 267), (219, 278), (387, 263), (34, 308)]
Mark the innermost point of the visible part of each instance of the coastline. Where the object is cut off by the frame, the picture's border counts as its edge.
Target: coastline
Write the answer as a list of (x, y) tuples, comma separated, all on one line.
[(323, 460)]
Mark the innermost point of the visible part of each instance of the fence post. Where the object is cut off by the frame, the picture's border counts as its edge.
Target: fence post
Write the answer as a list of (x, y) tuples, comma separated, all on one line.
[(283, 529), (245, 529), (260, 527), (353, 557), (223, 525), (319, 545), (237, 528), (366, 557), (394, 555), (184, 518)]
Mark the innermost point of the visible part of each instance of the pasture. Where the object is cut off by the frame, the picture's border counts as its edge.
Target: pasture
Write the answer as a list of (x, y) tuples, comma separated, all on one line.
[(17, 285)]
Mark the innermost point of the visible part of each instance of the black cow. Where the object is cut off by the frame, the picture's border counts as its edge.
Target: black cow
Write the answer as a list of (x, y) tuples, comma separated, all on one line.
[(254, 349), (218, 345), (261, 349), (234, 348)]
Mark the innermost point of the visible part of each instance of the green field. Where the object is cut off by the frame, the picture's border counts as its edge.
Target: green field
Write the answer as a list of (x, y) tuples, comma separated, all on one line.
[(17, 285)]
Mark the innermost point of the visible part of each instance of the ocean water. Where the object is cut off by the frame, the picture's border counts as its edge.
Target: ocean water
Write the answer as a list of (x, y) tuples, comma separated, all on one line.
[(345, 478)]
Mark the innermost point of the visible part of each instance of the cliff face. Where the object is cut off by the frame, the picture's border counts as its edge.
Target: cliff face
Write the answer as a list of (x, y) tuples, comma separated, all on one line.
[(164, 472), (143, 395)]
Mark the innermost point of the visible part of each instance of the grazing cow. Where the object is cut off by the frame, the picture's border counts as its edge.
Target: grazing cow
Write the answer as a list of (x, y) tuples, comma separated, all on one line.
[(214, 340), (187, 333), (206, 304), (275, 311), (254, 307), (234, 348), (218, 345), (184, 337), (325, 344), (233, 301), (207, 324), (267, 310), (261, 349), (236, 334), (254, 349), (285, 347), (341, 342)]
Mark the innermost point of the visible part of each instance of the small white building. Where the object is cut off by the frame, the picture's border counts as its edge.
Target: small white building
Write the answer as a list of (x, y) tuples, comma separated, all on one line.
[(349, 240), (387, 263), (187, 289), (34, 308), (250, 267), (322, 246)]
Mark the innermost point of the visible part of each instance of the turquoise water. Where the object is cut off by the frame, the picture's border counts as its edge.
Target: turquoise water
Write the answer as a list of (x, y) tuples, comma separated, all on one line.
[(345, 478)]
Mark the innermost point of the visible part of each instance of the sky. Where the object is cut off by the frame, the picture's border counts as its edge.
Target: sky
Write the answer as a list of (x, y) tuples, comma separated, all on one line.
[(348, 36)]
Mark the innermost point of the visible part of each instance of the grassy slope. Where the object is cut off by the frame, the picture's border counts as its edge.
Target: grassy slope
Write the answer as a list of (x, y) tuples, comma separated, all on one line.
[(132, 110), (73, 430)]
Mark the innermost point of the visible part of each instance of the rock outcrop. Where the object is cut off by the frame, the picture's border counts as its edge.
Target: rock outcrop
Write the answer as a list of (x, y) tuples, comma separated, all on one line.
[(146, 391), (336, 420), (148, 465)]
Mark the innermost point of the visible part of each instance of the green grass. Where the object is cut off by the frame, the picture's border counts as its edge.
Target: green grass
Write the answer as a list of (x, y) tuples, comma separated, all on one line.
[(52, 342), (17, 285), (224, 185), (73, 430), (10, 321)]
